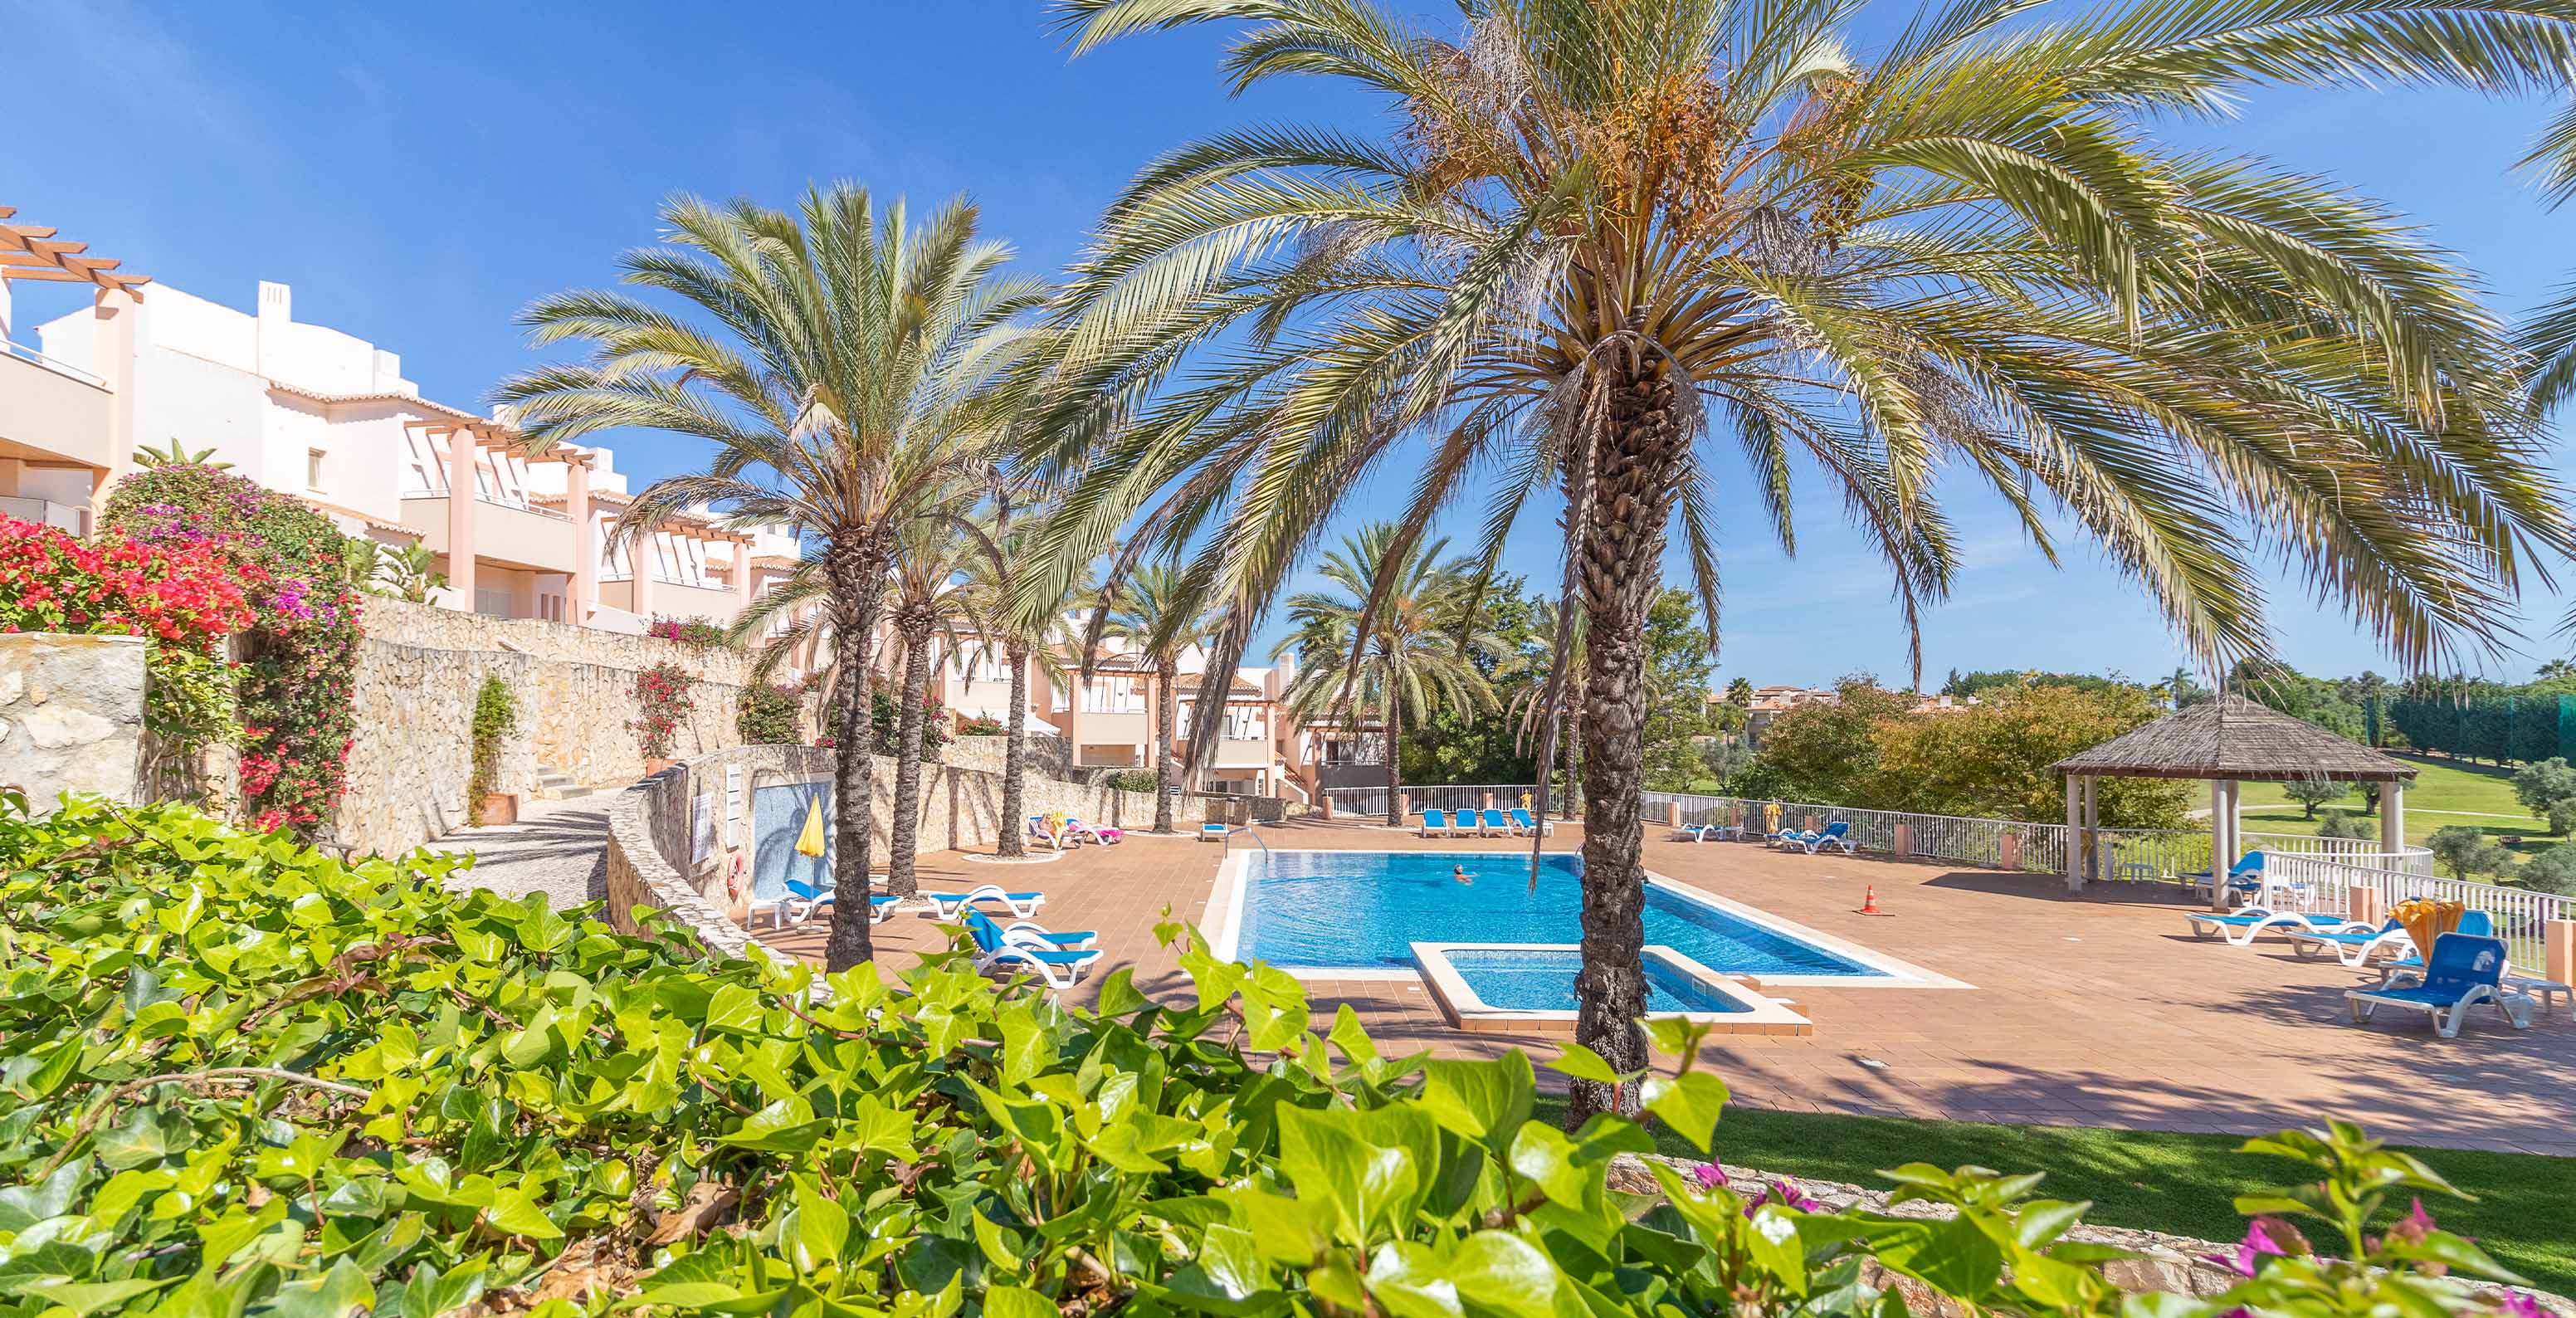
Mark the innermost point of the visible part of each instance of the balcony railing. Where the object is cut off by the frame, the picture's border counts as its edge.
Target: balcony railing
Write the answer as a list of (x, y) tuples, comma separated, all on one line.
[(44, 512), (59, 367)]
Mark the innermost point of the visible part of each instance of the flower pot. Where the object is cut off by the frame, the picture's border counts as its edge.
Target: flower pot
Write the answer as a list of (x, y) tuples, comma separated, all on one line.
[(653, 766), (499, 808)]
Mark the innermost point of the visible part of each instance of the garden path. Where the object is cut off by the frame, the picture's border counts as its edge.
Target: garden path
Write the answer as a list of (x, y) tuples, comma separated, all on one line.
[(558, 848)]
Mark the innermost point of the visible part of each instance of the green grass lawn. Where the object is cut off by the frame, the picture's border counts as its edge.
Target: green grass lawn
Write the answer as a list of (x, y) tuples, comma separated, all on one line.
[(2156, 1181), (2446, 793)]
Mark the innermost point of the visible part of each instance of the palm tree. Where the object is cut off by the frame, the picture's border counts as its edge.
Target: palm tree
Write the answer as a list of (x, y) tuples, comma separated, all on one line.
[(1414, 651), (1152, 611), (1609, 233), (174, 454), (930, 593), (847, 369), (1028, 620)]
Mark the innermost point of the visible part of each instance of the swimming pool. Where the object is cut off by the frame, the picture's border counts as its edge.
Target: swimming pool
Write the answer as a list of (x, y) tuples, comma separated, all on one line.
[(1520, 979), (1315, 911)]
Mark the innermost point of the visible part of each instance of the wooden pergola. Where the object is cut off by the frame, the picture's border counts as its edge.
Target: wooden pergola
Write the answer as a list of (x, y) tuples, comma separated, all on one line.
[(2226, 742), (30, 251)]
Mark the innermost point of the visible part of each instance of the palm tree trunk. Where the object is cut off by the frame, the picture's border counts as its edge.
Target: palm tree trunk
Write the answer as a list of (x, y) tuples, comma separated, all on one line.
[(1634, 463), (1013, 830), (905, 834), (858, 587), (1394, 772), (1167, 711)]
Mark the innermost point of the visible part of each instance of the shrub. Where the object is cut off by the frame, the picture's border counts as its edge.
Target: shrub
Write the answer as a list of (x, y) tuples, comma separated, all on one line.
[(2346, 824), (426, 1101), (888, 729), (768, 714), (495, 714), (2543, 785), (663, 696), (2553, 870), (301, 648), (182, 599), (695, 633), (1131, 780), (2467, 852), (980, 726)]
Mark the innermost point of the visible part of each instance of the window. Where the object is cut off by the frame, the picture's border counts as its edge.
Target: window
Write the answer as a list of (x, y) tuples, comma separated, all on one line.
[(491, 603), (313, 469)]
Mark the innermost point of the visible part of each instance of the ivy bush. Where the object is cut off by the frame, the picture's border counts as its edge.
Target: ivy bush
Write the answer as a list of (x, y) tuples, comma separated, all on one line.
[(768, 714), (245, 1077), (496, 712), (300, 651)]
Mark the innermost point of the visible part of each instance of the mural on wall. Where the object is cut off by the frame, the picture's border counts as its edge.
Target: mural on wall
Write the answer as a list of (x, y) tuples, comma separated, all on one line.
[(777, 815)]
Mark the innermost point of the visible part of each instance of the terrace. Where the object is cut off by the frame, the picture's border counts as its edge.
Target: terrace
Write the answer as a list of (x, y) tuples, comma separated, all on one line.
[(2091, 1009)]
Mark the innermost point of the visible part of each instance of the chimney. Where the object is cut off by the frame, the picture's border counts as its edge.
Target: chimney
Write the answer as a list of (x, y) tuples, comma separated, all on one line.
[(276, 321)]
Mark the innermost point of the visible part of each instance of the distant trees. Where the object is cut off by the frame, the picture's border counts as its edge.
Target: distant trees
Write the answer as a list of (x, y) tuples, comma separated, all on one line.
[(2543, 787), (1868, 749)]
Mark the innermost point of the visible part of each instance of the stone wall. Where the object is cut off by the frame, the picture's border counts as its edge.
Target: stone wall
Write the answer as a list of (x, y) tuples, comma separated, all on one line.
[(417, 672), (71, 715)]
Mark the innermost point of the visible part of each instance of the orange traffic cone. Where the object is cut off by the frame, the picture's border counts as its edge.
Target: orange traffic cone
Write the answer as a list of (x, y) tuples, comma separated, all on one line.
[(1869, 901)]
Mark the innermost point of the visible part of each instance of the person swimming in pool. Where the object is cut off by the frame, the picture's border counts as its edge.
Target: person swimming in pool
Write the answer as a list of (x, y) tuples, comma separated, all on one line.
[(1459, 872)]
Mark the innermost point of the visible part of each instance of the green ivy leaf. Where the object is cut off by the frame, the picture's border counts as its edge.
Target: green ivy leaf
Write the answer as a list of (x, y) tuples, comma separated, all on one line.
[(1689, 1103)]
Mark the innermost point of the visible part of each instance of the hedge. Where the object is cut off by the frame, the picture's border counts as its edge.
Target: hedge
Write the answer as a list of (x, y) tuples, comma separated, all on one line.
[(248, 1078)]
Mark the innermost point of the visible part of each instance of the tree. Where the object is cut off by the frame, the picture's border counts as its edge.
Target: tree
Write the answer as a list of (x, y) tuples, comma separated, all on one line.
[(1413, 654), (2314, 792), (1154, 614), (928, 593), (1678, 662), (848, 368), (1608, 231), (405, 573), (1739, 693), (1030, 625), (2544, 784), (1993, 758), (2553, 870), (1826, 751), (2467, 852)]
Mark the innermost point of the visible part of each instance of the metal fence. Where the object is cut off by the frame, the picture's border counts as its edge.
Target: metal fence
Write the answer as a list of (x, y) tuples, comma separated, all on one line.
[(2324, 883), (1363, 801), (2144, 854)]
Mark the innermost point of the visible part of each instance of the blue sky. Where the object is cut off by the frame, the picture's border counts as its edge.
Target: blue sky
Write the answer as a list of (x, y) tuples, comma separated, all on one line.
[(418, 173)]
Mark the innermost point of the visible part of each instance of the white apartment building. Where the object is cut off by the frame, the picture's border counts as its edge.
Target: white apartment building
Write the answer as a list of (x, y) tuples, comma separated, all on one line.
[(330, 418)]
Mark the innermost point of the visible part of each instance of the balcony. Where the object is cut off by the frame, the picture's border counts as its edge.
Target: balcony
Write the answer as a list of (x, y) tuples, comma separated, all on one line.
[(529, 538), (51, 413), (1245, 753), (42, 512)]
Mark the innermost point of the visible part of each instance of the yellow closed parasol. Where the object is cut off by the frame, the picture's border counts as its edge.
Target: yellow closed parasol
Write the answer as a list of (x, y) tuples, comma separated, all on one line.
[(810, 842), (2425, 920)]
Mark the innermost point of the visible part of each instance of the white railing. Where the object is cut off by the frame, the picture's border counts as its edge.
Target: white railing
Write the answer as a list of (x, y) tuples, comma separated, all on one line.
[(58, 366), (2146, 854), (2364, 852), (2520, 914), (1362, 801)]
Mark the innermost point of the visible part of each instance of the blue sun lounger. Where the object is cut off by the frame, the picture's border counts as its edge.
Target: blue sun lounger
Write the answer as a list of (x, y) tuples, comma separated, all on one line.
[(2465, 971), (1523, 825), (997, 947), (1435, 823)]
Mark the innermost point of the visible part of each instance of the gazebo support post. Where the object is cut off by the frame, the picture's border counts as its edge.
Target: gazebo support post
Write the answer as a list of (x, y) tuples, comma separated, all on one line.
[(2074, 833), (2093, 830), (2392, 820), (2222, 839)]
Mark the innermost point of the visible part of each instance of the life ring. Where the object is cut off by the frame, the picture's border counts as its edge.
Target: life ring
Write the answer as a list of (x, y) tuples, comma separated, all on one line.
[(733, 877)]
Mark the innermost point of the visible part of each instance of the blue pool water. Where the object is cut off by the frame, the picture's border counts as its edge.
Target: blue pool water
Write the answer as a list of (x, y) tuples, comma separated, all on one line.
[(1362, 909), (1544, 981)]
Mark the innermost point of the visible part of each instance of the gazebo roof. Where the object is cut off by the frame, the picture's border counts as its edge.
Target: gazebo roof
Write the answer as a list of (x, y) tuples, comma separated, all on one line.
[(2233, 737)]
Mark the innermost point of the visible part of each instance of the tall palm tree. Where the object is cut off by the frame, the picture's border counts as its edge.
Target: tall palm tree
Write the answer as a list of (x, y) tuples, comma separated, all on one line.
[(1608, 234), (1414, 651), (929, 594), (1028, 621), (1153, 611), (845, 365)]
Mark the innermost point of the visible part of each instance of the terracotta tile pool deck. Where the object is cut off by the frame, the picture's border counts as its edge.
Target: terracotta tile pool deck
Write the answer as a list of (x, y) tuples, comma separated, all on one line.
[(2083, 1011)]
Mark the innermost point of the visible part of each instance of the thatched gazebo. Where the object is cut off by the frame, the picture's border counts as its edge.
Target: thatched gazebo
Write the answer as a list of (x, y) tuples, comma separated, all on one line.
[(2227, 741)]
